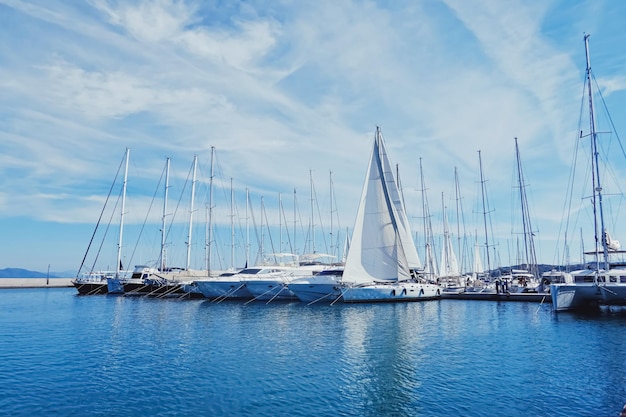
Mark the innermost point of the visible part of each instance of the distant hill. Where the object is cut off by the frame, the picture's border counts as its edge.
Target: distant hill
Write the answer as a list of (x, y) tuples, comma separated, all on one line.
[(24, 273)]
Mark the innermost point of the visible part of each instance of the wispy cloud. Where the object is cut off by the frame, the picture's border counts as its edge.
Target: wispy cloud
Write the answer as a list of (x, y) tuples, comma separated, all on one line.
[(286, 89)]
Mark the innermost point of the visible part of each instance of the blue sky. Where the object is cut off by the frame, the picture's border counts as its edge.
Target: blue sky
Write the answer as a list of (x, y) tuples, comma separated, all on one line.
[(287, 93)]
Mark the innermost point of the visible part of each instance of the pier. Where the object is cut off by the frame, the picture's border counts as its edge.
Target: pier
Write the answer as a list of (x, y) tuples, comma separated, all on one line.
[(35, 282)]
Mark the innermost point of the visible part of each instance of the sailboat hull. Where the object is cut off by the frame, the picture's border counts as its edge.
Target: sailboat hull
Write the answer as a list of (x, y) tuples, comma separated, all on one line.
[(575, 296), (90, 288), (614, 294), (391, 292)]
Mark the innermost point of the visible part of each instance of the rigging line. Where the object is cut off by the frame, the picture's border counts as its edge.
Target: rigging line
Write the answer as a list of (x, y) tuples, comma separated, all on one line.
[(284, 287), (608, 114), (256, 233), (284, 217), (106, 230), (258, 296), (319, 216), (145, 221), (569, 196), (302, 230), (321, 298), (100, 217), (180, 198), (228, 294), (269, 233)]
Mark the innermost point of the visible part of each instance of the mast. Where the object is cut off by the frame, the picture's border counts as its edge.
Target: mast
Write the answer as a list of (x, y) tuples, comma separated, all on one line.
[(444, 270), (210, 223), (232, 226), (331, 212), (459, 210), (597, 187), (294, 221), (262, 231), (482, 187), (118, 268), (193, 192), (312, 215), (280, 223), (429, 264), (167, 182), (529, 244), (247, 228)]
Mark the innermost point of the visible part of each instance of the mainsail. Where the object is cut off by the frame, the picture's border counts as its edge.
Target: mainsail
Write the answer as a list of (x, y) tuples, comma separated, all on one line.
[(382, 248)]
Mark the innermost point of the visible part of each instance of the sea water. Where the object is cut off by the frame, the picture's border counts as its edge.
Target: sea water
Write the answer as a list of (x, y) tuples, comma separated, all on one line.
[(67, 355)]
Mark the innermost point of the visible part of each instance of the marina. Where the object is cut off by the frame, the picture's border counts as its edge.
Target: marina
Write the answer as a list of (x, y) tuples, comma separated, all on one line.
[(227, 231)]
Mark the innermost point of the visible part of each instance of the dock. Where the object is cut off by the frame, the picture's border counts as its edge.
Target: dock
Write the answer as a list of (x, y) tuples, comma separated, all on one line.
[(6, 283), (492, 296)]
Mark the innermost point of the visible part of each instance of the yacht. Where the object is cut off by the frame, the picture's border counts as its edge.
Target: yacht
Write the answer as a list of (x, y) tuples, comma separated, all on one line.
[(323, 286)]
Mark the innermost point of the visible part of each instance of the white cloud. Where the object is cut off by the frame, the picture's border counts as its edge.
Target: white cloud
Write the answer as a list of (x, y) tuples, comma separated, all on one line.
[(286, 89)]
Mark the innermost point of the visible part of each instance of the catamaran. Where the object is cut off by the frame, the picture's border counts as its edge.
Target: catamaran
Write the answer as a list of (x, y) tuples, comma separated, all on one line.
[(599, 283)]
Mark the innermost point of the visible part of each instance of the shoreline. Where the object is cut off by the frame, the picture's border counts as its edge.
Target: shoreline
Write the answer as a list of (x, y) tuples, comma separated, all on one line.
[(6, 283)]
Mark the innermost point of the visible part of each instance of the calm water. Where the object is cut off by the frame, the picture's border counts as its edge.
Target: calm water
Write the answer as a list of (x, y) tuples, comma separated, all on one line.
[(62, 354)]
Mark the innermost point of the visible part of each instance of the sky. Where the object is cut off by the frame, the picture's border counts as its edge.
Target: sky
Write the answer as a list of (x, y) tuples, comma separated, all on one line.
[(287, 96)]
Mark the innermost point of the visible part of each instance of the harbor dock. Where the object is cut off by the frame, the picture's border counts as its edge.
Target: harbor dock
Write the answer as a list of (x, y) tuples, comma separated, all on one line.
[(35, 282)]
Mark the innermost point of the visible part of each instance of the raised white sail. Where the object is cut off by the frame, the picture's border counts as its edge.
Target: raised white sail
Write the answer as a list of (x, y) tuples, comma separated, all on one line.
[(449, 264), (378, 245), (380, 260)]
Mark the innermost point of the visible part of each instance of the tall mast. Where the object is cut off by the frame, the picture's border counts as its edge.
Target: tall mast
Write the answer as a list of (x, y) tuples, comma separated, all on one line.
[(163, 231), (232, 225), (597, 187), (444, 270), (427, 260), (482, 188), (429, 265), (193, 192), (312, 215), (457, 190), (332, 252), (119, 245), (210, 222), (262, 230), (280, 223), (294, 222), (247, 228), (529, 244)]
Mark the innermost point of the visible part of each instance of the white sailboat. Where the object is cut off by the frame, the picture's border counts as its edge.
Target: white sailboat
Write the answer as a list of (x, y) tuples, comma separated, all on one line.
[(525, 278), (95, 282), (449, 274), (113, 283), (378, 266), (430, 264), (587, 288)]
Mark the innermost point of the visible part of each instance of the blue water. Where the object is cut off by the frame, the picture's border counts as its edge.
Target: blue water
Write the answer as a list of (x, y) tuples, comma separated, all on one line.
[(67, 355)]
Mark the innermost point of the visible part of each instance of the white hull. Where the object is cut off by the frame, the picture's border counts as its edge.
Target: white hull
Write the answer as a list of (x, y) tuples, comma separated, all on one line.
[(401, 291), (314, 289), (217, 288), (270, 289), (574, 296)]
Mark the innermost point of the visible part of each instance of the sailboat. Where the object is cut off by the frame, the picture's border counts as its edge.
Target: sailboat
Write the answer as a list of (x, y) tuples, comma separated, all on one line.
[(449, 275), (95, 282), (378, 265), (587, 288), (525, 278)]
